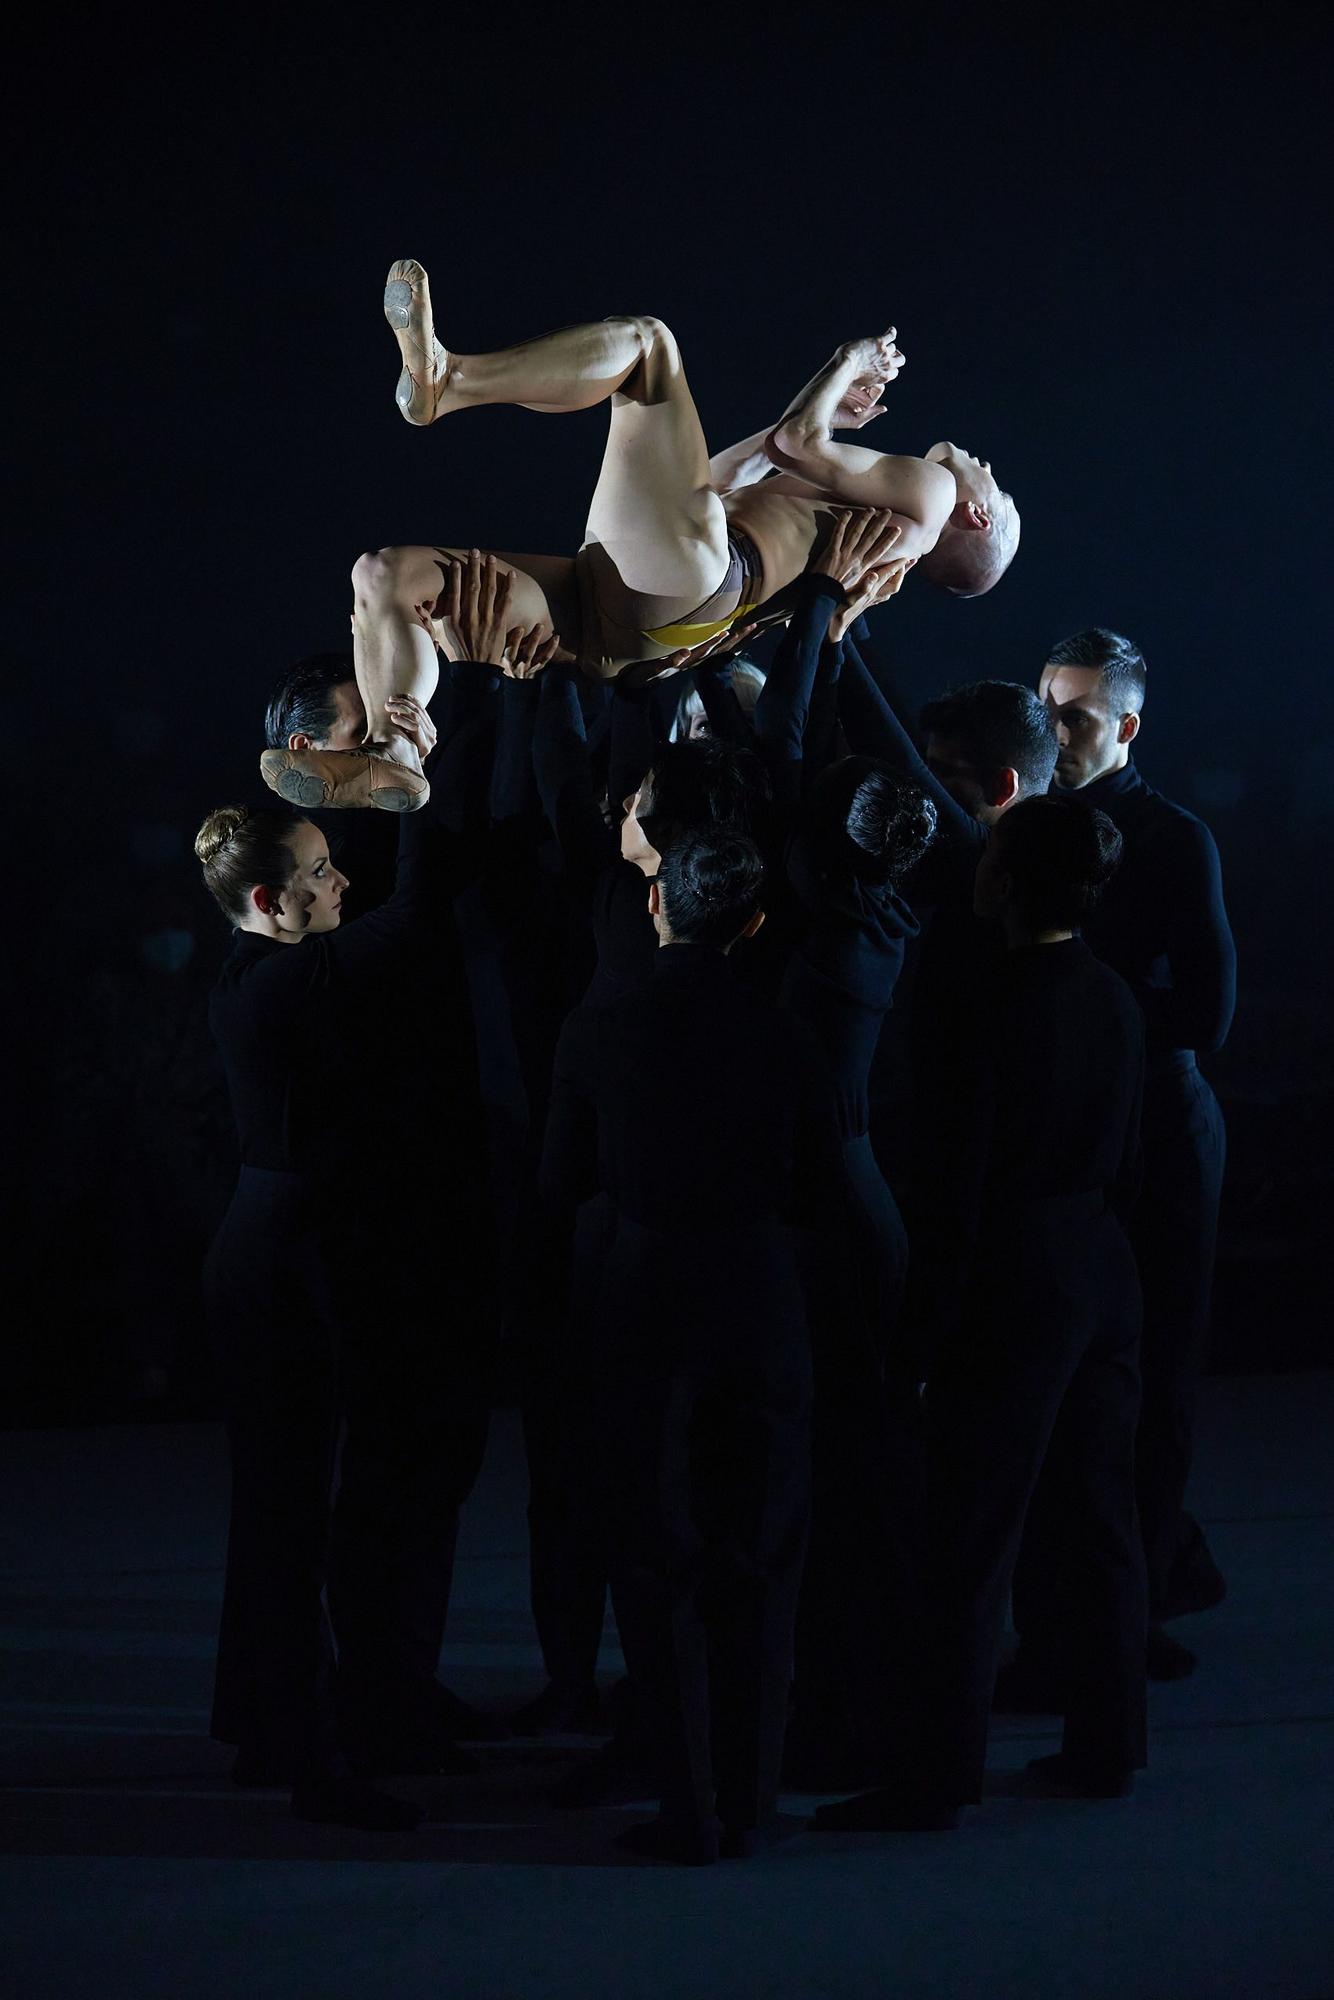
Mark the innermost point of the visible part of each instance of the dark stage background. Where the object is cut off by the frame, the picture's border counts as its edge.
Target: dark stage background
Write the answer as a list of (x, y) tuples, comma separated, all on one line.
[(1105, 251)]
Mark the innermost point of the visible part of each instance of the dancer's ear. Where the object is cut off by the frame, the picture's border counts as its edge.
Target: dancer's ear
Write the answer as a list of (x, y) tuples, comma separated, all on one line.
[(265, 901), (300, 742)]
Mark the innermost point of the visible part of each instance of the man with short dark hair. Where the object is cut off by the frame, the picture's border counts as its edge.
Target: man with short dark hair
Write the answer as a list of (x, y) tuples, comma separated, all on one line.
[(1164, 928), (707, 1117), (317, 706)]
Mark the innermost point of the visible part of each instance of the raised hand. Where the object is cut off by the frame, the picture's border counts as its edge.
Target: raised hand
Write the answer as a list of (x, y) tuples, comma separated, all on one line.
[(863, 539), (527, 652), (476, 602), (875, 359), (410, 719), (730, 641), (860, 406), (877, 586)]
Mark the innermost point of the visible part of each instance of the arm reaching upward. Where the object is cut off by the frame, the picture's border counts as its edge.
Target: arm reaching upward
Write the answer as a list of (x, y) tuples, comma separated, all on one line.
[(920, 494)]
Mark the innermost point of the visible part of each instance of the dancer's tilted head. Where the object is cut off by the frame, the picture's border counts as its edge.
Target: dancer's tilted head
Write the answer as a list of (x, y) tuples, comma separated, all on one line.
[(1046, 864), (1093, 685), (707, 891), (978, 542), (692, 785), (316, 706), (270, 872), (990, 744), (869, 820), (690, 722)]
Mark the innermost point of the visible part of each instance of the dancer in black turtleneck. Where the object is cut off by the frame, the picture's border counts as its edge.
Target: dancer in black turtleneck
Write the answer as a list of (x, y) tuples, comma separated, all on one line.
[(1163, 926), (302, 1273), (1024, 1295)]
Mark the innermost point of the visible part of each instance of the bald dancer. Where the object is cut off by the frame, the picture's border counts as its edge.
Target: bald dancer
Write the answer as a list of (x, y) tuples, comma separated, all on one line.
[(677, 546)]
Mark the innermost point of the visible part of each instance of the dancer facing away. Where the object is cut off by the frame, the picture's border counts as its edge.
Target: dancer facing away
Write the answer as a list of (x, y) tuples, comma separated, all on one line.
[(677, 546)]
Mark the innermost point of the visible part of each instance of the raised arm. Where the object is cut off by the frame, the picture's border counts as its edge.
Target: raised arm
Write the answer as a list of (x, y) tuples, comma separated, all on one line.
[(920, 494)]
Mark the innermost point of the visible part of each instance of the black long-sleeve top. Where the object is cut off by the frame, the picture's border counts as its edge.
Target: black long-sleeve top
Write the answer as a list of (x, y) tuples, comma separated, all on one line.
[(1162, 923), (841, 973), (698, 1107), (1035, 1099), (613, 893), (291, 1020)]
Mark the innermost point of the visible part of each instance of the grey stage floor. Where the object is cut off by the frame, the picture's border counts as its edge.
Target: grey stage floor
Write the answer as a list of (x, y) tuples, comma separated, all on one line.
[(131, 1867)]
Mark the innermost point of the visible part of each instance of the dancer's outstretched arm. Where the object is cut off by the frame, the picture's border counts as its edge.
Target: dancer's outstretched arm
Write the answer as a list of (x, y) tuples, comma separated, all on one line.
[(920, 494)]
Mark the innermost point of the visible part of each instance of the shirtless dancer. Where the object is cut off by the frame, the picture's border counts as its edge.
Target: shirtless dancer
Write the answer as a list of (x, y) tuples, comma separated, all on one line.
[(677, 546)]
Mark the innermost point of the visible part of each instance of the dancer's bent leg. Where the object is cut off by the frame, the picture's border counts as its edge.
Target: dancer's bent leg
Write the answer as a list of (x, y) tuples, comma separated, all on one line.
[(570, 370)]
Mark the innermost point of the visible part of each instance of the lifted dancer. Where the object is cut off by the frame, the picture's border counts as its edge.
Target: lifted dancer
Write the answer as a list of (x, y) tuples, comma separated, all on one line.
[(676, 547)]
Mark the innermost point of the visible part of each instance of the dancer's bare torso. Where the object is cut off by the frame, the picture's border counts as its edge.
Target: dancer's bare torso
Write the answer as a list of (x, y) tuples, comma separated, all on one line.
[(782, 518)]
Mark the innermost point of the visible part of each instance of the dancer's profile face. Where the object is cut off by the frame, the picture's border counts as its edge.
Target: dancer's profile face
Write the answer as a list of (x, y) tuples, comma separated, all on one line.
[(975, 483), (311, 900), (1091, 736), (349, 727), (635, 843)]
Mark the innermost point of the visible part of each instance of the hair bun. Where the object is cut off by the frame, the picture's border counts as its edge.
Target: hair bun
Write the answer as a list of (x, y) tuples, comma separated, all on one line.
[(218, 829)]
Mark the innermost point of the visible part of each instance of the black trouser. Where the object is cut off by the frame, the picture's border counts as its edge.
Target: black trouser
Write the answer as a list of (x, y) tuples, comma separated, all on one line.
[(568, 1548), (1044, 1367), (851, 1634), (703, 1393), (306, 1350), (416, 1410), (275, 1331), (1175, 1231)]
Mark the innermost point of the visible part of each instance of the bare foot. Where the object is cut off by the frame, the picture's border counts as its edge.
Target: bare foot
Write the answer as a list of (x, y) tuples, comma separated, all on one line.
[(407, 307)]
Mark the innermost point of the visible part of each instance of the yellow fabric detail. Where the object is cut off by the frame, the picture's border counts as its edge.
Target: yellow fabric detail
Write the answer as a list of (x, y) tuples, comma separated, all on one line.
[(676, 636)]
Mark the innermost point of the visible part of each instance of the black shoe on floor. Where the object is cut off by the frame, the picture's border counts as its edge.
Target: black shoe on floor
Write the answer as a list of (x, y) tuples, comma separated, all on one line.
[(664, 1840), (743, 1843), (1165, 1658), (1055, 1777), (561, 1712), (887, 1811), (346, 1802), (1027, 1687)]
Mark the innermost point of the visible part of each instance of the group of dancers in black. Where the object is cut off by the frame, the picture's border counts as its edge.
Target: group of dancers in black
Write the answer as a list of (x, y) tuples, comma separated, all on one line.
[(586, 1066)]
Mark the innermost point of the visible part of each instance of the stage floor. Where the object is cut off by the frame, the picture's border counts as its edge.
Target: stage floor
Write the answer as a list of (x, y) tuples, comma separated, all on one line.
[(132, 1868)]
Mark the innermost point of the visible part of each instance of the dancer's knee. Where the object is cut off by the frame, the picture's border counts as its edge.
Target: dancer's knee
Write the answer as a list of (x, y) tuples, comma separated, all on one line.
[(380, 574), (659, 355)]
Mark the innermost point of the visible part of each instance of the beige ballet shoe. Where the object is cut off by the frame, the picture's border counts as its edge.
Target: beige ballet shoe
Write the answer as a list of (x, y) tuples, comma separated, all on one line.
[(338, 778), (407, 307)]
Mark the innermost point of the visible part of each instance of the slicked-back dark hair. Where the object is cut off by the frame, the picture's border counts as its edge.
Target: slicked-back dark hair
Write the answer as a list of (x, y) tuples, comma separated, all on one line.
[(709, 886), (702, 783), (303, 701), (1061, 855), (1004, 726), (1118, 660)]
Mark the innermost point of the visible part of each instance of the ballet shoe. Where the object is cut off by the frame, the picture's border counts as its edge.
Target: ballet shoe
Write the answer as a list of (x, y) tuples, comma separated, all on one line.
[(1058, 1777), (407, 307), (334, 779)]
